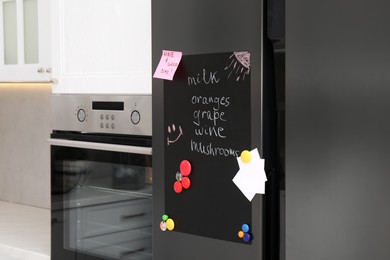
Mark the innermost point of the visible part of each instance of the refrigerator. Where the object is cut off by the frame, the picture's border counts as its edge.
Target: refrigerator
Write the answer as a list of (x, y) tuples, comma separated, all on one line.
[(219, 101), (337, 130)]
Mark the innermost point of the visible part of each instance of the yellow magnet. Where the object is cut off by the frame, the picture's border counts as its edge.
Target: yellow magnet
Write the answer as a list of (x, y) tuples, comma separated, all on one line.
[(241, 234), (170, 224), (246, 156)]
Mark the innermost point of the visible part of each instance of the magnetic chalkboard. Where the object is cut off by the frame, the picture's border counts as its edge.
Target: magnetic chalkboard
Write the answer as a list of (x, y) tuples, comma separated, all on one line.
[(207, 122)]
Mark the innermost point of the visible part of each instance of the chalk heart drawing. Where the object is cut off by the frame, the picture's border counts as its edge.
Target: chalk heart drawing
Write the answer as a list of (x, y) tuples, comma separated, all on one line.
[(174, 134), (239, 65)]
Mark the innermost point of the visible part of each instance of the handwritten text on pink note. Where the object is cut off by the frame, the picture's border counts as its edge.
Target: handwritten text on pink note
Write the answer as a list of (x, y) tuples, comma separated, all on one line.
[(168, 64)]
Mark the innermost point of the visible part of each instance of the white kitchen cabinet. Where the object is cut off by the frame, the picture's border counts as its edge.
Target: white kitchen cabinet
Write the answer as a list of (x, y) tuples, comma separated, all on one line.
[(101, 46), (25, 40)]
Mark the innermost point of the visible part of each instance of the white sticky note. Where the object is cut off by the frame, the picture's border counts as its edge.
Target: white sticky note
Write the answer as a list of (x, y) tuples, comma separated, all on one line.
[(251, 177), (249, 195)]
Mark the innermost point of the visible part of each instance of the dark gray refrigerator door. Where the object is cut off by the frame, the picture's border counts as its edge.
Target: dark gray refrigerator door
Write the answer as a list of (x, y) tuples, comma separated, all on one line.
[(337, 129), (199, 27)]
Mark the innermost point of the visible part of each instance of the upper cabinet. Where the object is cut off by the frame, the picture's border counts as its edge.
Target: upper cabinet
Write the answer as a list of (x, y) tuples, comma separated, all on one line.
[(101, 46), (25, 53)]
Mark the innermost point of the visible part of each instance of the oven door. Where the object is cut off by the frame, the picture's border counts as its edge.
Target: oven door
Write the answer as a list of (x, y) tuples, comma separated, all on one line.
[(101, 201)]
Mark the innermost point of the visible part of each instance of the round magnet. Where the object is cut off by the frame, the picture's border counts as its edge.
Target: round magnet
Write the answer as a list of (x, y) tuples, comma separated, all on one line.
[(241, 234), (246, 156), (165, 217), (186, 182), (247, 237), (163, 226), (177, 187), (170, 224), (185, 167), (245, 228)]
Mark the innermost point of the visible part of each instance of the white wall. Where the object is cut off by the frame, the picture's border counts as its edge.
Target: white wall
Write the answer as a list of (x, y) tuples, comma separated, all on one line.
[(24, 152)]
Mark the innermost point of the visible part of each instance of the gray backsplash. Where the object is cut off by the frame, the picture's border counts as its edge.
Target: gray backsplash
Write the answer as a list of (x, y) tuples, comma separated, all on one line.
[(24, 152)]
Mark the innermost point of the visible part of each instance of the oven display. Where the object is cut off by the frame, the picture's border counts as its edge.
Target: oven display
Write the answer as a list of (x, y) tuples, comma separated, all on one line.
[(108, 105)]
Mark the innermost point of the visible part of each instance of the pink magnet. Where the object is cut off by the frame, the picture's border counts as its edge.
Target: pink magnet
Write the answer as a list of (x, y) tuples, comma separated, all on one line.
[(186, 182), (178, 188), (185, 167), (163, 226)]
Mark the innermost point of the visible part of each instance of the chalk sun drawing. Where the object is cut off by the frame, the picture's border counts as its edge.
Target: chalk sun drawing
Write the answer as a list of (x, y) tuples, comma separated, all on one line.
[(239, 65), (172, 131)]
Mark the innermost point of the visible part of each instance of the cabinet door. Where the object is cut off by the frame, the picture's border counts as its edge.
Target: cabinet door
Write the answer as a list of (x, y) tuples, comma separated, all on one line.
[(101, 46), (25, 40)]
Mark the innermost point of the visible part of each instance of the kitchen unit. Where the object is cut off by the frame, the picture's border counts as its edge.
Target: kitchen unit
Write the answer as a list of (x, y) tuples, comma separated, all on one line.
[(101, 177), (25, 43), (101, 46), (101, 154)]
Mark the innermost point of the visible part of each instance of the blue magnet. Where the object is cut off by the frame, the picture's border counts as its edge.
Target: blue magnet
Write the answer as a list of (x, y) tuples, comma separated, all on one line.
[(245, 228), (247, 237)]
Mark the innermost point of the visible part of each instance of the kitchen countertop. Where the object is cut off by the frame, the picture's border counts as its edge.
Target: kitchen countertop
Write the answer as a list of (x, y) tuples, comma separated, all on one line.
[(24, 232)]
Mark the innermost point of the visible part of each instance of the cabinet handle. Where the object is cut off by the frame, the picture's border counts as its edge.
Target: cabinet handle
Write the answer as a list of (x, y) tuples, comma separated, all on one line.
[(101, 146), (41, 70), (127, 217), (54, 80), (48, 70)]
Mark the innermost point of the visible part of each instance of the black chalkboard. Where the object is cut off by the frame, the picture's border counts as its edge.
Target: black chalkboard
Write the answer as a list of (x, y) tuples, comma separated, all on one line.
[(207, 122)]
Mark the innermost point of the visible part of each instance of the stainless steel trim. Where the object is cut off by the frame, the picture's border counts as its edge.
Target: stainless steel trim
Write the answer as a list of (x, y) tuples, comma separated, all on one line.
[(101, 146)]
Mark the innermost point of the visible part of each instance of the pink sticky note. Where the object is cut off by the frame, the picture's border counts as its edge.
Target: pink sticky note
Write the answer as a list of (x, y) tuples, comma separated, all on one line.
[(168, 64)]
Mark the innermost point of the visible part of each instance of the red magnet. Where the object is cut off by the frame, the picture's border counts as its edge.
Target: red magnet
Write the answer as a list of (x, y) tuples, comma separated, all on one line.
[(185, 167), (178, 187), (186, 182)]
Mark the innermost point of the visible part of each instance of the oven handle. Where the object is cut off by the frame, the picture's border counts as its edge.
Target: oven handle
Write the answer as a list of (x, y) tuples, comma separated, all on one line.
[(101, 146)]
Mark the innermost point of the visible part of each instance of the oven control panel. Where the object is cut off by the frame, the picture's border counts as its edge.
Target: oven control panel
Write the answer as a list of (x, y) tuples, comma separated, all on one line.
[(102, 114)]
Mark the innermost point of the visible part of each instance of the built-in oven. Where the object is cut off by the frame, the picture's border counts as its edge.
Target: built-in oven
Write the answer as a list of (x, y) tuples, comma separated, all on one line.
[(101, 177)]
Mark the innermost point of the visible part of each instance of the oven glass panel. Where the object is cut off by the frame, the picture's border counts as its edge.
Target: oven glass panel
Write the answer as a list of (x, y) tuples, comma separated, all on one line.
[(104, 200)]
